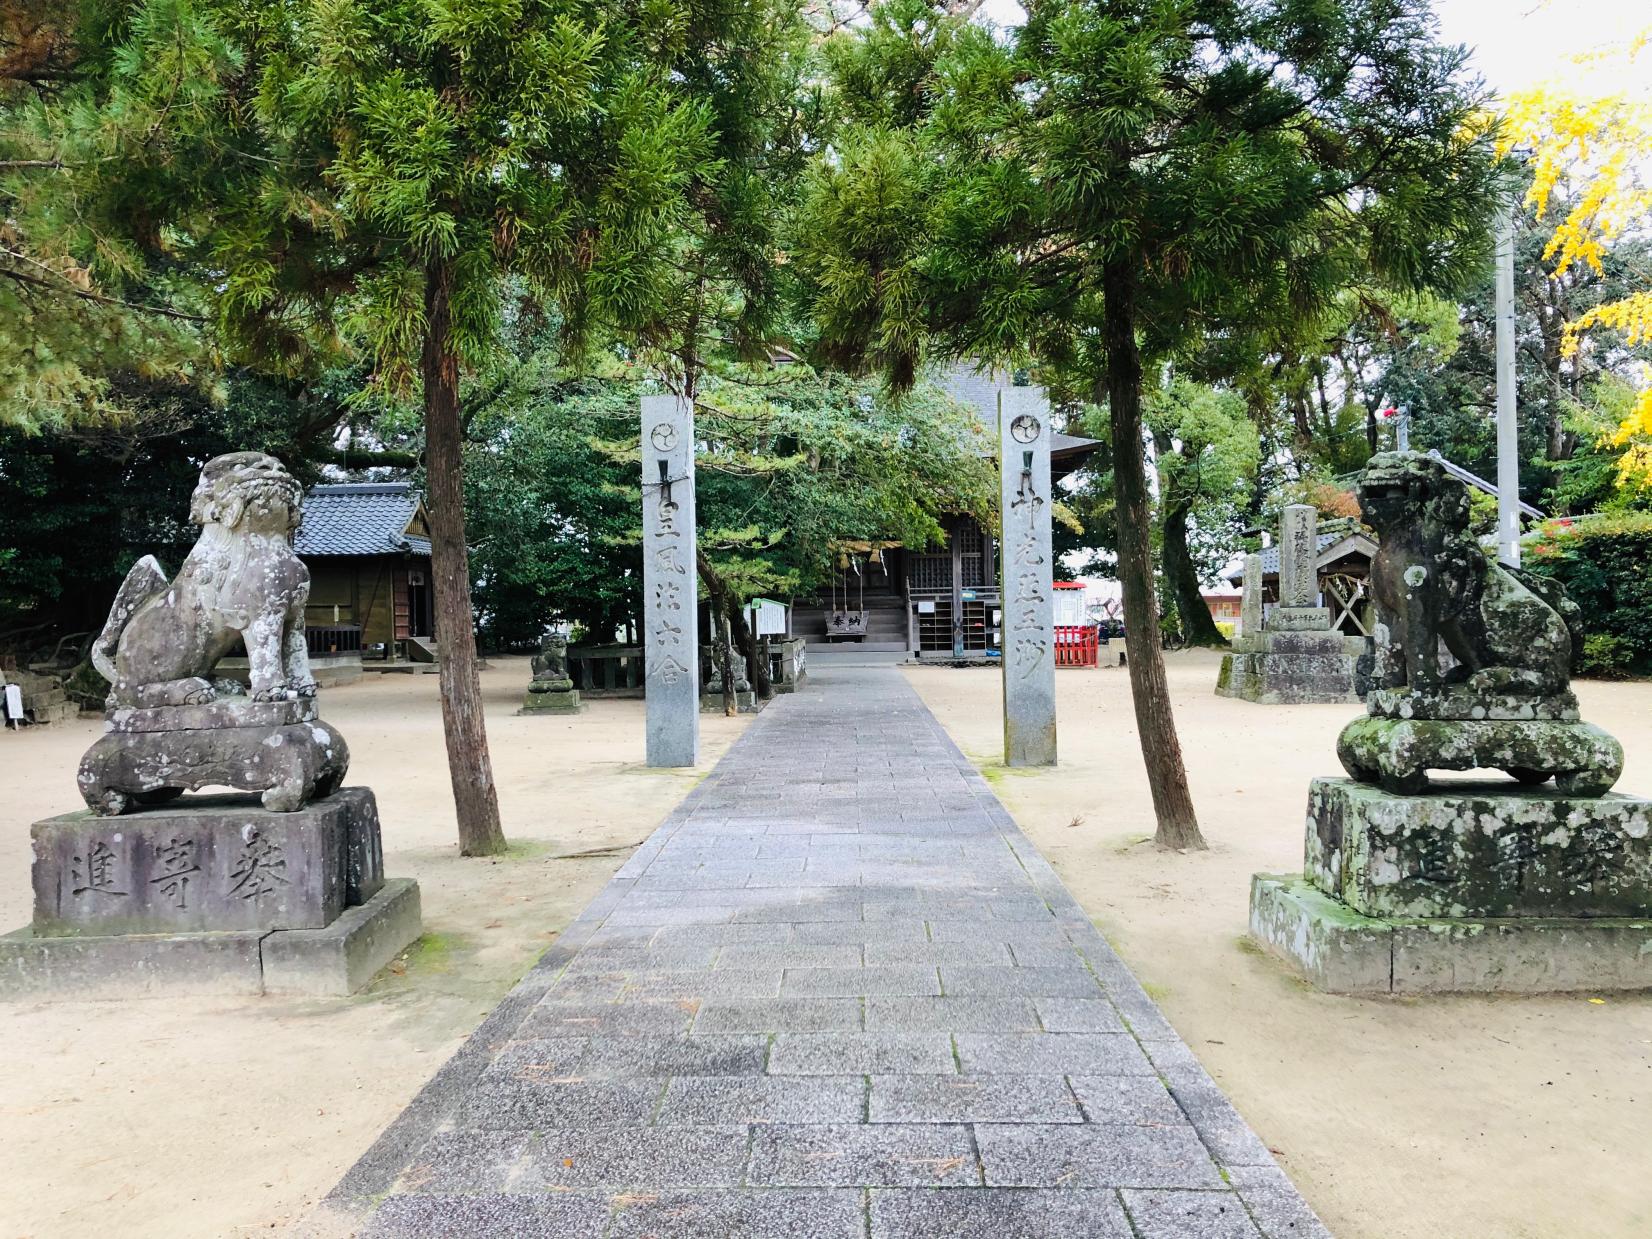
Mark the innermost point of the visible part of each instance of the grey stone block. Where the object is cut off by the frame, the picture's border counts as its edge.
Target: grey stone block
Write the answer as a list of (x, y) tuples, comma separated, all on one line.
[(1052, 1053), (532, 1100), (1227, 1136), (130, 966), (346, 955), (933, 954), (774, 1213), (1334, 948), (466, 1161), (1093, 1155), (363, 844), (699, 1101), (794, 955), (714, 1055), (641, 959), (779, 1015), (220, 865), (1485, 850), (1001, 1098), (1075, 1015), (871, 1053), (1280, 1213), (997, 1213), (951, 1014), (711, 983), (1137, 1100), (857, 982), (1188, 1215), (564, 1216), (1075, 982), (637, 1158), (825, 1155), (865, 932)]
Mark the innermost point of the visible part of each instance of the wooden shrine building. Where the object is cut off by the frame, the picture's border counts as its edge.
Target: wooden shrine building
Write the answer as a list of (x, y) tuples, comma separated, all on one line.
[(930, 602), (367, 546)]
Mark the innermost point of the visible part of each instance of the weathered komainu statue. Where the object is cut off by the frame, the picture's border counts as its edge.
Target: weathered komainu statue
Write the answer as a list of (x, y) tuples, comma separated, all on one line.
[(172, 726), (1472, 659), (551, 691), (242, 582)]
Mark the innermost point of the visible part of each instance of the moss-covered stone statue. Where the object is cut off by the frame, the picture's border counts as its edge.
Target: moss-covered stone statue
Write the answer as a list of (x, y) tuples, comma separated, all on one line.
[(551, 691), (1472, 659)]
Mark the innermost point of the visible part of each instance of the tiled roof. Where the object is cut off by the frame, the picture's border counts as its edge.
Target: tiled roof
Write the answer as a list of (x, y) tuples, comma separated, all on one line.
[(364, 518)]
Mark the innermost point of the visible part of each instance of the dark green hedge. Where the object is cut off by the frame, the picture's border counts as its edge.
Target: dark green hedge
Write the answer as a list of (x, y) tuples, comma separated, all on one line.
[(1605, 563)]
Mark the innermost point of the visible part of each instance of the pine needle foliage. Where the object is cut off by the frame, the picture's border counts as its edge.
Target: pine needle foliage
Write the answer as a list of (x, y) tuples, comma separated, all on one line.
[(1115, 182)]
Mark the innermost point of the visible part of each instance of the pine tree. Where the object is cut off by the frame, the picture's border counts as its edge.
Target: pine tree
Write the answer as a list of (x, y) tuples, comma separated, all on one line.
[(385, 179), (1113, 183)]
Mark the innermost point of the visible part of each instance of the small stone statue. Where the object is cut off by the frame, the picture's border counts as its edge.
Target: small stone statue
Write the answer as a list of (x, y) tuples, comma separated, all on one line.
[(1472, 660), (171, 725), (551, 691), (550, 665)]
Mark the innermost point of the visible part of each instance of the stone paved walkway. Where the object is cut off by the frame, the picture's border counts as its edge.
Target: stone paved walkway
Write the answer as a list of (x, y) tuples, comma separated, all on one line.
[(836, 994)]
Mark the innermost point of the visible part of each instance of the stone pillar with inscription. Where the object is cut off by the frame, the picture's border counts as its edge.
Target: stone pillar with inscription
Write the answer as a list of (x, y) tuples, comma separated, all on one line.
[(671, 647), (1026, 577), (1299, 609), (1250, 604), (1291, 656)]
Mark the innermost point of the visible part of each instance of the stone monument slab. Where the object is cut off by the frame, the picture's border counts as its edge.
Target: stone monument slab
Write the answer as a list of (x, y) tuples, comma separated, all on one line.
[(1027, 577), (1299, 558), (670, 582)]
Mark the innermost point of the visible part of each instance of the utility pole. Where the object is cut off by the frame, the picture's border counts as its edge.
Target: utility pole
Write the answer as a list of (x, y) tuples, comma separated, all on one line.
[(1508, 438)]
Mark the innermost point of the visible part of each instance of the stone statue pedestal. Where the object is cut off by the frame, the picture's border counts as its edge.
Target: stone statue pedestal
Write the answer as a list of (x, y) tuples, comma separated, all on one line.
[(551, 697), (1291, 667), (1482, 887), (149, 756), (216, 895)]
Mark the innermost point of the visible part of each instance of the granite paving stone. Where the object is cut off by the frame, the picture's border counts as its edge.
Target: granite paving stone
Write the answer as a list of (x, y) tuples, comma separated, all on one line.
[(1057, 1053), (1094, 1155), (1188, 1215), (951, 1014), (972, 1099), (779, 1015), (774, 1213), (871, 1053), (635, 1159), (1077, 1015), (700, 1100), (564, 1216), (836, 995), (827, 1155), (997, 1213)]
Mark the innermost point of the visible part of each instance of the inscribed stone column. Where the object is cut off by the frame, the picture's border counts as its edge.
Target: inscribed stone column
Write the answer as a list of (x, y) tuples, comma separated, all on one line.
[(1028, 570), (1250, 604), (1298, 609), (670, 607)]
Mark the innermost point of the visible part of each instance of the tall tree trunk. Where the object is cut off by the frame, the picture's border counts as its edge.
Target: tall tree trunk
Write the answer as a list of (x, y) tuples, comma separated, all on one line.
[(1178, 826), (468, 764), (1197, 626), (745, 640)]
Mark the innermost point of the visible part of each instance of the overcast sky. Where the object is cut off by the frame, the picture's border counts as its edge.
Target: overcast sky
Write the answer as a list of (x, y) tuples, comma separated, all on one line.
[(1516, 43)]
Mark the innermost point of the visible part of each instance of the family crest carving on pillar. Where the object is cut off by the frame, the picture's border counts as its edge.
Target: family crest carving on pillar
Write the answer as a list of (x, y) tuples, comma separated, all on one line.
[(172, 725)]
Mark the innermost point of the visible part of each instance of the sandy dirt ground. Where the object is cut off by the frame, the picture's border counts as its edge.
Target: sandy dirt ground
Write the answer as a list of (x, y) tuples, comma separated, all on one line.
[(230, 1117), (1447, 1118)]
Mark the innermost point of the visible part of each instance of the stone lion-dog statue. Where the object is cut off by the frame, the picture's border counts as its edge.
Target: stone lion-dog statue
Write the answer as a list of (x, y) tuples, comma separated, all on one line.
[(1471, 660), (241, 582), (172, 726)]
